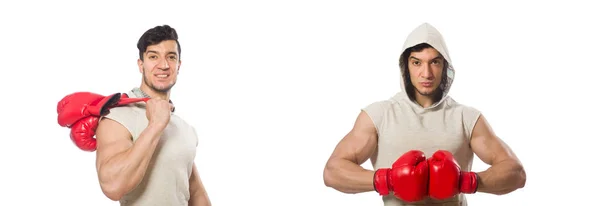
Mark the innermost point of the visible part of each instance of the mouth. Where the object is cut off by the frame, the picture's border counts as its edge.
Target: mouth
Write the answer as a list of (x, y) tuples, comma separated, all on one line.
[(426, 84), (162, 76)]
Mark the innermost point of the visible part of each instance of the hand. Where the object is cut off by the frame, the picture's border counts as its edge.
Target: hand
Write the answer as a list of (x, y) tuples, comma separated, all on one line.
[(446, 178), (408, 177), (158, 111)]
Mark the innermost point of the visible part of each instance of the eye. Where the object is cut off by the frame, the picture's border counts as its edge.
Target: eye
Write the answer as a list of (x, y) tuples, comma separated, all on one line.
[(416, 63), (173, 57), (436, 62), (152, 57)]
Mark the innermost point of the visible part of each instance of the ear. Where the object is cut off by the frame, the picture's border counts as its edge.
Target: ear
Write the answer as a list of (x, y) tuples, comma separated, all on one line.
[(178, 66), (140, 65)]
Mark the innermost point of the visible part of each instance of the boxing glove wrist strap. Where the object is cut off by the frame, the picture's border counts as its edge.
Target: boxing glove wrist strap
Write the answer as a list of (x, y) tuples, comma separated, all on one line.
[(380, 181), (102, 107), (468, 182)]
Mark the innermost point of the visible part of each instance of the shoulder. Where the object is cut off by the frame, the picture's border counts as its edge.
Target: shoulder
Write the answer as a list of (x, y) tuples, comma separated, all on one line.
[(126, 110), (465, 109), (186, 129), (182, 124), (380, 105), (129, 116), (386, 104), (378, 110), (469, 115)]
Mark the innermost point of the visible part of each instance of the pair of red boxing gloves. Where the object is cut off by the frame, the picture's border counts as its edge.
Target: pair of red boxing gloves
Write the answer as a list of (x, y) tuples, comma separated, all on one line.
[(414, 177), (81, 111)]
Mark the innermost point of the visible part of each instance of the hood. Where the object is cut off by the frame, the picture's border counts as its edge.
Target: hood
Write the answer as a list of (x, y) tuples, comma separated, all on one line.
[(426, 33)]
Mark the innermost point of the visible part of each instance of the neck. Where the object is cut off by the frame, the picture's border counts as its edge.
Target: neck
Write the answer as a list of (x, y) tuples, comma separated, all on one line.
[(155, 94), (427, 100), (424, 101)]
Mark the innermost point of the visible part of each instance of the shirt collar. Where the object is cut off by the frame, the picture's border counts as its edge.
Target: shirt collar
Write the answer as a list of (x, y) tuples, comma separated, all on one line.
[(139, 93)]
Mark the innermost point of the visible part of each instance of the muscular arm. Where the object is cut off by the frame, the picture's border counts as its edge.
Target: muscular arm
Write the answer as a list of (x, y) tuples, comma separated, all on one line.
[(506, 174), (343, 171), (198, 195), (121, 164)]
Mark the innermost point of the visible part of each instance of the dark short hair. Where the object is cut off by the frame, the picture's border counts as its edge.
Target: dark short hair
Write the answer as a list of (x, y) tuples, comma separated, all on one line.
[(155, 36), (410, 88)]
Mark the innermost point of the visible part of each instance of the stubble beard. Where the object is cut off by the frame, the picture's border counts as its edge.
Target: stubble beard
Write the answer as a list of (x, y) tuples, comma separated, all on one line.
[(154, 88), (435, 94), (428, 94)]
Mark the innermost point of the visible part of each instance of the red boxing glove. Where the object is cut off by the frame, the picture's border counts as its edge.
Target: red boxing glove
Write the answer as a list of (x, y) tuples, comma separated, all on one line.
[(83, 132), (79, 105), (446, 178), (408, 177)]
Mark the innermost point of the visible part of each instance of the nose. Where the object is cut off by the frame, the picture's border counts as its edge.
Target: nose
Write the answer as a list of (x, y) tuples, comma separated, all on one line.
[(426, 72), (163, 64)]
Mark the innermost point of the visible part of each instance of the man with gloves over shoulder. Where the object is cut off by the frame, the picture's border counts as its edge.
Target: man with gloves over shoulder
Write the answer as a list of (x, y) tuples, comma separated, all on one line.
[(145, 153)]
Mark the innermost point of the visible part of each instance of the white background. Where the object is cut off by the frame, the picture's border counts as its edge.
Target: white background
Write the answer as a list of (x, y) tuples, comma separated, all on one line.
[(272, 86)]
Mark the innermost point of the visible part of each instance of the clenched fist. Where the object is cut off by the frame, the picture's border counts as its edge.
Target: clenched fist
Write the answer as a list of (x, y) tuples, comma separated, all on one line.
[(158, 111), (446, 179), (408, 177)]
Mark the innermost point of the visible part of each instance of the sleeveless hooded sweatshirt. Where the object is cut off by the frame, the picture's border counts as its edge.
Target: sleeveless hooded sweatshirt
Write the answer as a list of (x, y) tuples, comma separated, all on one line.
[(166, 181), (404, 125)]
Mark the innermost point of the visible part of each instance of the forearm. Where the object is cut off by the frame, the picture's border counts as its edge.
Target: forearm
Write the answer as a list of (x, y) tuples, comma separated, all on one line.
[(348, 177), (124, 171), (198, 195), (199, 199), (502, 178)]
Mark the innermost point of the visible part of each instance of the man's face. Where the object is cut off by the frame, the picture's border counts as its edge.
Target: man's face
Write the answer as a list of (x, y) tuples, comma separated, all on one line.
[(160, 66), (426, 68)]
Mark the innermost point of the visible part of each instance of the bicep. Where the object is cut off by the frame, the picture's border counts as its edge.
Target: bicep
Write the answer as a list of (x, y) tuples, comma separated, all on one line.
[(487, 146), (360, 143), (112, 138)]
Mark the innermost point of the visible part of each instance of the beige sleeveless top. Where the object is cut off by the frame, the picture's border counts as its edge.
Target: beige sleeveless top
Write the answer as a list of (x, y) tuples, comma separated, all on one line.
[(404, 125), (166, 181)]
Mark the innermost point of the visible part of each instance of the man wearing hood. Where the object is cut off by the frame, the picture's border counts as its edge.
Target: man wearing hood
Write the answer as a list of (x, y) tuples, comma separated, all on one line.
[(420, 141)]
